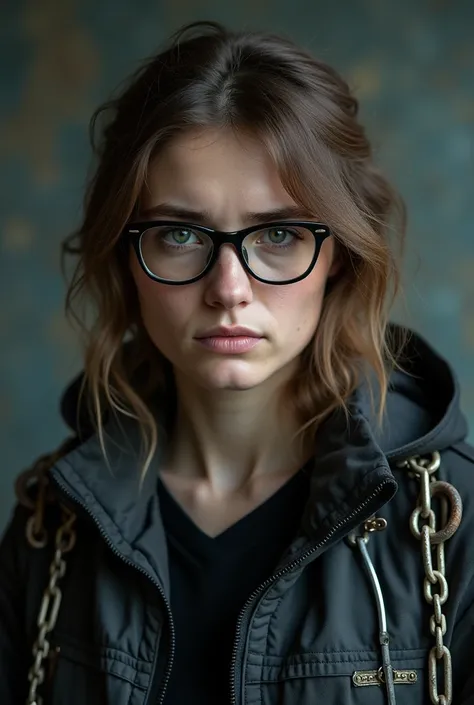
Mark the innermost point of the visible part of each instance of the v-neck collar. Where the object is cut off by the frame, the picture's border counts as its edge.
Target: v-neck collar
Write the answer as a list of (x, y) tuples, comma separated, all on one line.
[(258, 525)]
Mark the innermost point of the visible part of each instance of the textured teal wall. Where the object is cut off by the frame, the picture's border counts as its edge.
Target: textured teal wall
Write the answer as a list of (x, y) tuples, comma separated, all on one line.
[(412, 66)]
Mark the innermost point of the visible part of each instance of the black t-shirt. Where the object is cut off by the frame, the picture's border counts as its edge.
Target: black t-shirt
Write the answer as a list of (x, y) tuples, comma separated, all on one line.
[(212, 578)]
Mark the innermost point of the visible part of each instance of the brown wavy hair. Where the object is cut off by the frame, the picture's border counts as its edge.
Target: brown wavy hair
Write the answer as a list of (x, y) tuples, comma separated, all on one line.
[(303, 112)]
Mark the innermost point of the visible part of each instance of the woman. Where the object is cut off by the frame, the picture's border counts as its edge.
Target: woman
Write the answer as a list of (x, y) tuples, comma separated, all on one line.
[(224, 525)]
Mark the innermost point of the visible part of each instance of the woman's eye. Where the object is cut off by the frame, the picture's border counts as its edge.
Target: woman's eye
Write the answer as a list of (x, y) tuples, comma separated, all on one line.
[(278, 236), (180, 237)]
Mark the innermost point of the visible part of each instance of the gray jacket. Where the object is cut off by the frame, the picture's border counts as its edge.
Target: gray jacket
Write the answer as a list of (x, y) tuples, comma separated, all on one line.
[(312, 632)]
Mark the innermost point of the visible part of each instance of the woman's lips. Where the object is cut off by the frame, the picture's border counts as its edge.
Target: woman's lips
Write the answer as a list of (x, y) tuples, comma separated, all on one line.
[(229, 344)]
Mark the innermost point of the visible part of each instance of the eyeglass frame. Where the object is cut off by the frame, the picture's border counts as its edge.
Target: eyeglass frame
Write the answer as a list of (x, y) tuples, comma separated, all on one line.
[(135, 231)]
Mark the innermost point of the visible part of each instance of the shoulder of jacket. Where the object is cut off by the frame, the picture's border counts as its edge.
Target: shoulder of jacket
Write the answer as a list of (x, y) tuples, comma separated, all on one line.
[(457, 468), (33, 493), (465, 450)]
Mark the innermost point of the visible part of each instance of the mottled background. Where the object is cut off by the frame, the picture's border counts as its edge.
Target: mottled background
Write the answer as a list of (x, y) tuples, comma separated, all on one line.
[(411, 64)]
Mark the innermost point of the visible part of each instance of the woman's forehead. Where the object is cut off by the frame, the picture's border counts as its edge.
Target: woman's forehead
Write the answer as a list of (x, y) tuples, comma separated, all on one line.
[(217, 174)]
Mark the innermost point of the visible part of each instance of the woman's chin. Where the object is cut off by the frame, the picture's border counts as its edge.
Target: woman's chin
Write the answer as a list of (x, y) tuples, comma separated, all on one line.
[(228, 374)]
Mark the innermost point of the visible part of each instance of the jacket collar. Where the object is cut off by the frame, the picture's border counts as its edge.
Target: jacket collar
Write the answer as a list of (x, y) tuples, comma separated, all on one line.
[(349, 469)]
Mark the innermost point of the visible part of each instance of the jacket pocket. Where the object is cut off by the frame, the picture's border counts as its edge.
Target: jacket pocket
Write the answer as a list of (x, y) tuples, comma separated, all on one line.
[(338, 678), (97, 675)]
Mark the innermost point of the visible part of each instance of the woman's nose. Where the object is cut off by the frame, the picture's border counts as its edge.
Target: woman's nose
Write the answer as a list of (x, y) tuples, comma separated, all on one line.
[(228, 284)]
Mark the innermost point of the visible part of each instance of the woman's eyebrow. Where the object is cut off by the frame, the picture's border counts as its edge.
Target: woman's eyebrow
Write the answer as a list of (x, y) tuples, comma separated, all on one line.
[(168, 210), (284, 213)]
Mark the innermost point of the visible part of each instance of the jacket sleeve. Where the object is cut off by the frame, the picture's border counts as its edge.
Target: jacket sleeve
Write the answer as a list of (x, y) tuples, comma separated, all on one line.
[(14, 652), (460, 573), (462, 653)]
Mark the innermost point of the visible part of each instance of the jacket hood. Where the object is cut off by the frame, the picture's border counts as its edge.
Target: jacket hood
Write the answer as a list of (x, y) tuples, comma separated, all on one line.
[(423, 411)]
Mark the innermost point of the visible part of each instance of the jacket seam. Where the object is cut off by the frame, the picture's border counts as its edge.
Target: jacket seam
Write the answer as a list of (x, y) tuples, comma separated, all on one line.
[(98, 669), (111, 652), (266, 642), (360, 652), (150, 678), (132, 689)]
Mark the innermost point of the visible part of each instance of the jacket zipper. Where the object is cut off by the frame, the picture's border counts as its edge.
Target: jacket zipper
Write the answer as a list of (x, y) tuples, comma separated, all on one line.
[(127, 561), (234, 677)]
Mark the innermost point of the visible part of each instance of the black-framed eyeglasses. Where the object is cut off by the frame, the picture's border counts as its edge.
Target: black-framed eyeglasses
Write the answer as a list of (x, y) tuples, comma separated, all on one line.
[(176, 253)]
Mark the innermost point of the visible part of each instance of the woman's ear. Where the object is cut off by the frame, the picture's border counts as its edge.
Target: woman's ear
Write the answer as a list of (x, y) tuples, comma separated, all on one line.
[(336, 262), (335, 266)]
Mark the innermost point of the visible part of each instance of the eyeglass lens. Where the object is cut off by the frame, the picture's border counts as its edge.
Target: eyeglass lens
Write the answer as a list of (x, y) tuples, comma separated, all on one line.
[(275, 253)]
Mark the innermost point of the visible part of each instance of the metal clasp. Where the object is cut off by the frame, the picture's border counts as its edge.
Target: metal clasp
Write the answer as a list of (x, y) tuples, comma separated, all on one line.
[(368, 527), (400, 677)]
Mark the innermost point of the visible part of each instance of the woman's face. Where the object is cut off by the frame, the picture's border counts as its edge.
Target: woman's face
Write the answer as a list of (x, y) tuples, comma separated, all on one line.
[(226, 178)]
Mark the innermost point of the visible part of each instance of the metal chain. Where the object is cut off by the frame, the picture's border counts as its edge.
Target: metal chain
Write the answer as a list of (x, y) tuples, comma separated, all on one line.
[(432, 543), (33, 492), (51, 602)]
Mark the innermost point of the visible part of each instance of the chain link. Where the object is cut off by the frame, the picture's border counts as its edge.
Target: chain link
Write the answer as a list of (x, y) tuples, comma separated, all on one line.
[(33, 492), (432, 542), (51, 602)]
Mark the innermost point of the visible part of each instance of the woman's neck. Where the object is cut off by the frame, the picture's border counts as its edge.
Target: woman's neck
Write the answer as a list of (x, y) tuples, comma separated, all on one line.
[(230, 439)]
